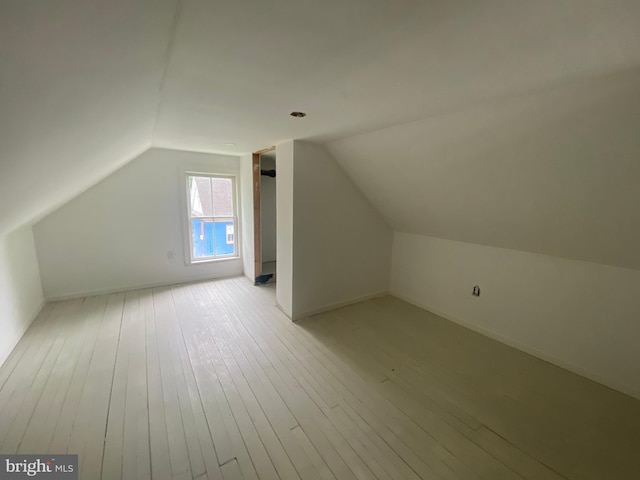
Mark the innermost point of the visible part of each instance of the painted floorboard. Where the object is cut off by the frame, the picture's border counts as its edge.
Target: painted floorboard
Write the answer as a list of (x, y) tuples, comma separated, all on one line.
[(211, 381)]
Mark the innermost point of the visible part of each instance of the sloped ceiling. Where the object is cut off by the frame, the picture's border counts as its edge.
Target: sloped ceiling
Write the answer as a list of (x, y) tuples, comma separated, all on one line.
[(79, 89), (453, 91), (237, 69), (554, 172)]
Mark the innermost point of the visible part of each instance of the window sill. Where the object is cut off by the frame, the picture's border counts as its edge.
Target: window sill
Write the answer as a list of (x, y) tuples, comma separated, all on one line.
[(212, 260)]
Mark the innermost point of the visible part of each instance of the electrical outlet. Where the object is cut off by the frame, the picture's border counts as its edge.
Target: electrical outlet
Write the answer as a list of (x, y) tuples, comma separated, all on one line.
[(476, 291)]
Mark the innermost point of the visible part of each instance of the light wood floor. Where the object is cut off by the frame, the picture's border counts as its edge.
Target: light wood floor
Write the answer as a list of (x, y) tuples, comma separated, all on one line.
[(210, 380)]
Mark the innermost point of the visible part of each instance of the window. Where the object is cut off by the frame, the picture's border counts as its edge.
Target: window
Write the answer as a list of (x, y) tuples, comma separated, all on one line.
[(212, 217)]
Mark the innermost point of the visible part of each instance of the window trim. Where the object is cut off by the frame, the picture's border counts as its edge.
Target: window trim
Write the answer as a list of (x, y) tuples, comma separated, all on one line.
[(189, 258)]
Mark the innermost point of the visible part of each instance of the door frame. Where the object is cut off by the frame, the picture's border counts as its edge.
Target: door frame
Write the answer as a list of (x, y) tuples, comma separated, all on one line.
[(257, 224)]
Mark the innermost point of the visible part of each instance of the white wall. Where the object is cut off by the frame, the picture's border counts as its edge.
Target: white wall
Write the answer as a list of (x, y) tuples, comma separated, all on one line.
[(128, 231), (341, 244), (581, 316), (284, 227), (246, 222), (268, 210), (20, 289)]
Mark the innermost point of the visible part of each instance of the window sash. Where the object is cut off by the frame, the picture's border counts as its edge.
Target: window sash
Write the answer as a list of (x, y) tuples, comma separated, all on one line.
[(233, 219)]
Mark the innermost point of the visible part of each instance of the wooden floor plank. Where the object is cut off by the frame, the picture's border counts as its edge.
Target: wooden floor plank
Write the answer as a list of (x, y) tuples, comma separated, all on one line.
[(70, 399), (210, 456), (44, 384), (90, 423), (114, 451), (20, 380), (158, 434), (178, 448), (39, 432), (231, 429), (269, 438), (311, 417), (442, 432), (276, 411), (176, 345), (30, 338), (137, 456), (335, 375), (211, 381)]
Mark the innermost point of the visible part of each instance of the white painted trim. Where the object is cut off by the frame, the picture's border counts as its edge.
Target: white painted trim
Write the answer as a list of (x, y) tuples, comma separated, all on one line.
[(334, 306), (186, 215), (279, 307), (626, 389), (126, 288), (221, 258)]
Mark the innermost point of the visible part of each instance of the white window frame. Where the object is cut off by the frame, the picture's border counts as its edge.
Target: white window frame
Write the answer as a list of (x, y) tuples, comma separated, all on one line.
[(191, 260)]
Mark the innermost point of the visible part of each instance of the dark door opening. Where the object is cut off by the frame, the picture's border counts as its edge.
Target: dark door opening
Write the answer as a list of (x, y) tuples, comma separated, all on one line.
[(264, 211)]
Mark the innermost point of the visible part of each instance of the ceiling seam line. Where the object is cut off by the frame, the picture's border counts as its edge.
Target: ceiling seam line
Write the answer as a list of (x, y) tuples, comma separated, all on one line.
[(167, 59)]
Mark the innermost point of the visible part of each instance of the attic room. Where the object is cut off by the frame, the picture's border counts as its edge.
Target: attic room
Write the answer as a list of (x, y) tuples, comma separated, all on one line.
[(451, 226)]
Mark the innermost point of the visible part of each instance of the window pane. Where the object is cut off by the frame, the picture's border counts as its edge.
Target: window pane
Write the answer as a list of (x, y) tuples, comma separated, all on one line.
[(222, 197), (202, 235), (225, 235), (200, 196)]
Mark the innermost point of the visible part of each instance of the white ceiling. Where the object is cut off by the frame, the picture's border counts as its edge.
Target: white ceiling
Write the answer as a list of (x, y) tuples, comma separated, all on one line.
[(238, 68), (79, 90), (85, 85), (554, 172)]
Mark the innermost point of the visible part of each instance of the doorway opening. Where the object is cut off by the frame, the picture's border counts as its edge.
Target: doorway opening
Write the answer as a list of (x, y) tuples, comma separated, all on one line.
[(264, 212)]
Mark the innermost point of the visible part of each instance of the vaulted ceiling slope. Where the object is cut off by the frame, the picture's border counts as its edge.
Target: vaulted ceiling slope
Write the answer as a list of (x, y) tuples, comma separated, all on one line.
[(531, 134), (79, 90), (87, 84), (554, 172), (238, 68)]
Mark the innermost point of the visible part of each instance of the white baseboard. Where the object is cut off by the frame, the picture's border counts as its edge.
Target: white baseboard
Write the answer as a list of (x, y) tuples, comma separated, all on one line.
[(333, 306), (626, 389), (281, 308), (127, 288)]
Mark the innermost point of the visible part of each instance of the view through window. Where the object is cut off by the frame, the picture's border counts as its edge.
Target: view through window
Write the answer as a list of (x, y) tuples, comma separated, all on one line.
[(212, 216)]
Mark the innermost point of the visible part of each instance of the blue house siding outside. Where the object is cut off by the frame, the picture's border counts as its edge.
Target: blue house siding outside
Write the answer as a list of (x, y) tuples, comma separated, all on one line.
[(210, 238)]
